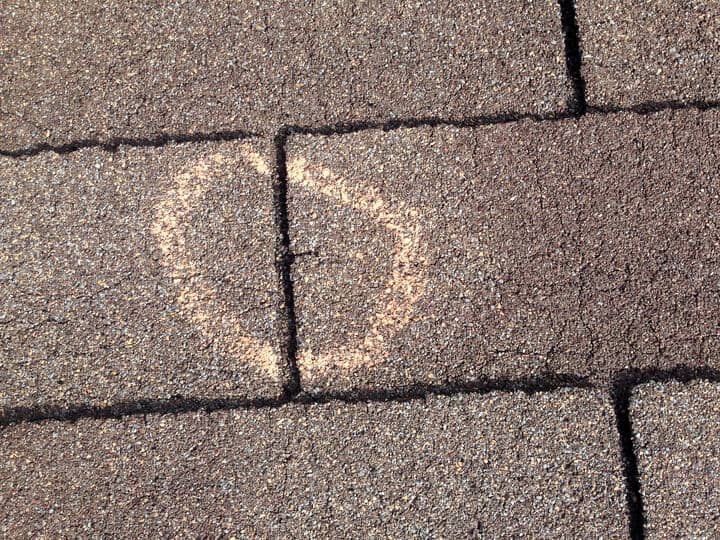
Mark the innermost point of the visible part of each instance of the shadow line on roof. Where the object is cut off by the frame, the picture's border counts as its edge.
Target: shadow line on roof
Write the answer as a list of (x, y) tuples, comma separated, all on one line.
[(573, 56), (284, 259), (180, 404), (620, 388), (110, 145), (341, 128)]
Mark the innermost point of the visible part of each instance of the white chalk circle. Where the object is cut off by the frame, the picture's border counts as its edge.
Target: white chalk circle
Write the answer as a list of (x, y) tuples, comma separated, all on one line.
[(199, 301)]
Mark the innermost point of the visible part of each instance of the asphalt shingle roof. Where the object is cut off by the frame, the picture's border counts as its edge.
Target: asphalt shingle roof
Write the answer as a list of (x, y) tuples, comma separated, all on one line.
[(334, 269)]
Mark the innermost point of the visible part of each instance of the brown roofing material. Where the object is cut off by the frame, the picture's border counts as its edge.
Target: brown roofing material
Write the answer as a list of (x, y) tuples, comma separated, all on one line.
[(445, 467), (650, 51), (143, 273), (677, 442), (77, 70), (444, 254)]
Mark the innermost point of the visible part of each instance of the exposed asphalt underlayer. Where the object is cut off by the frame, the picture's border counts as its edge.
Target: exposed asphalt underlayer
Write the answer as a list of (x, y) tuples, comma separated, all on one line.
[(580, 246), (57, 97)]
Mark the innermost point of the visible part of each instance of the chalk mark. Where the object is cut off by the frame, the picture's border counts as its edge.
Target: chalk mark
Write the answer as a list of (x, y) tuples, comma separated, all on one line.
[(197, 298)]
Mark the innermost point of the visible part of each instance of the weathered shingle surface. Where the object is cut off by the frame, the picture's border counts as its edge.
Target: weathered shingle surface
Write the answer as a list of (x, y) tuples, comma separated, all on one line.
[(677, 438), (435, 254), (141, 274), (274, 269), (76, 70), (648, 51), (447, 467)]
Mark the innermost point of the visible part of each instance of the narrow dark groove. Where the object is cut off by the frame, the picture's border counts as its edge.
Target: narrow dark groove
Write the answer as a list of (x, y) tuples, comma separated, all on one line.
[(681, 373), (111, 145), (342, 128), (547, 382), (283, 264), (621, 394), (651, 107), (177, 405), (573, 56)]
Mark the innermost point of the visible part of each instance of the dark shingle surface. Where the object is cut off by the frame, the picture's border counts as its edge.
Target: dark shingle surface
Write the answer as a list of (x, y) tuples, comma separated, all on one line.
[(143, 273), (431, 260), (677, 443), (446, 467), (75, 69), (436, 254), (650, 51)]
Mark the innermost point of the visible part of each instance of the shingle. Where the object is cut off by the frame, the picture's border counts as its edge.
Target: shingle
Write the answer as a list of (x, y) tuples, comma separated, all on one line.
[(646, 51), (431, 255), (77, 70), (676, 430), (139, 274), (544, 465)]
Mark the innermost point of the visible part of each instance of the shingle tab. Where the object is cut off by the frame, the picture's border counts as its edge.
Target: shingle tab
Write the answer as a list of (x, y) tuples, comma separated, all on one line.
[(138, 274), (676, 430), (545, 465), (77, 70), (647, 51), (442, 254)]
